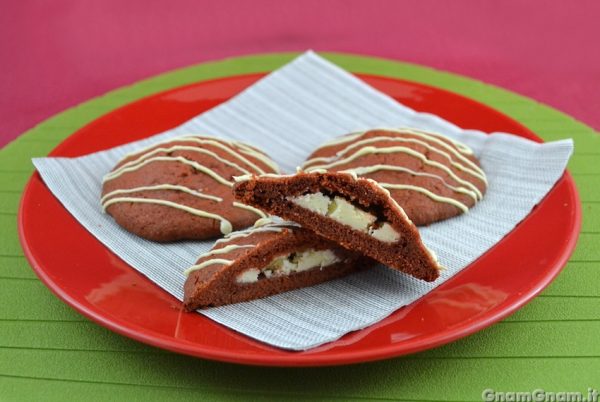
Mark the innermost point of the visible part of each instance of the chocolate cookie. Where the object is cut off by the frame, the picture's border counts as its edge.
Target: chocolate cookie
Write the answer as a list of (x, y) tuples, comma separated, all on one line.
[(354, 212), (263, 261), (181, 188), (430, 176)]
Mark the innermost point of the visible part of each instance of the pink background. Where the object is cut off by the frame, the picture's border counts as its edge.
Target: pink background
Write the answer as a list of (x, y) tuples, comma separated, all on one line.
[(55, 54)]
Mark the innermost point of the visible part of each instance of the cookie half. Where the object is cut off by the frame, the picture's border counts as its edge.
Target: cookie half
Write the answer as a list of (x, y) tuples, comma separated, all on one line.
[(263, 261), (354, 212), (431, 176), (181, 188)]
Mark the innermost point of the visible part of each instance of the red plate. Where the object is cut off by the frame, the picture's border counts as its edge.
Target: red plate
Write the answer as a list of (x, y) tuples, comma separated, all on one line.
[(91, 279)]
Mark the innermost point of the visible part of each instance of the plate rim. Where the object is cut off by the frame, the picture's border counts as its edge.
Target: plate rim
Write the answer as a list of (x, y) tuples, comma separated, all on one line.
[(336, 358)]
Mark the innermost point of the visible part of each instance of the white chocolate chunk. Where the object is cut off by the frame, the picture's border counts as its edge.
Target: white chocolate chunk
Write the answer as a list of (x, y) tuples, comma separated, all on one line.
[(385, 233), (282, 265), (248, 276), (343, 211), (310, 259), (316, 202)]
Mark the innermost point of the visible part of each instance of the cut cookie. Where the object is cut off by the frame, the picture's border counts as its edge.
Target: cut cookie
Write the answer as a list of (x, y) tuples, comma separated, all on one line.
[(431, 176), (181, 188), (355, 213), (263, 261)]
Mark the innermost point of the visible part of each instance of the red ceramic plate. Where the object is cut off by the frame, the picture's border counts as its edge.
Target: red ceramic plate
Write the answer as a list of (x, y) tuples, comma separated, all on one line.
[(91, 279)]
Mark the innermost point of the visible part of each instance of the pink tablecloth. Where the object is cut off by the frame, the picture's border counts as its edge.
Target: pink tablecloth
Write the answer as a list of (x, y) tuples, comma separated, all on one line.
[(56, 54)]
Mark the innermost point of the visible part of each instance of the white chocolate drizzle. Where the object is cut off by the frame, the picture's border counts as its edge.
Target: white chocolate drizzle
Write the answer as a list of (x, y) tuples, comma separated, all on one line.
[(247, 177), (362, 170), (245, 233), (225, 225), (249, 208), (181, 159), (403, 130), (177, 188), (432, 136), (264, 225), (258, 155), (207, 263), (399, 149), (263, 221), (180, 148), (227, 249), (160, 187), (433, 142), (428, 193), (342, 140), (473, 169), (151, 153), (218, 142), (261, 225)]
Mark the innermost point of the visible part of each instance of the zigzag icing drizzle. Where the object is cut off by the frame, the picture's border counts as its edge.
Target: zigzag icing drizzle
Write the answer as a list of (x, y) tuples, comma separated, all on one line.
[(225, 225), (217, 142), (363, 170), (160, 187), (180, 159), (146, 156), (431, 141), (261, 225), (425, 134)]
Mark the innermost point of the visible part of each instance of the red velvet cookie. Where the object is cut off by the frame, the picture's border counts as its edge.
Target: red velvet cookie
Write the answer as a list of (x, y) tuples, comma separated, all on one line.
[(356, 213), (181, 188), (263, 261), (429, 175)]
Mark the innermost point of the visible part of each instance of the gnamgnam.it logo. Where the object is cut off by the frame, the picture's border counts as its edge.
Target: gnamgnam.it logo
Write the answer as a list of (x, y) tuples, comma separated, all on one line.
[(539, 395)]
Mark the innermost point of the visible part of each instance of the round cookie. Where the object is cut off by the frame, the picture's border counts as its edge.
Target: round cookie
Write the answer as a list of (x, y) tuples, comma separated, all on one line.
[(181, 188), (429, 175)]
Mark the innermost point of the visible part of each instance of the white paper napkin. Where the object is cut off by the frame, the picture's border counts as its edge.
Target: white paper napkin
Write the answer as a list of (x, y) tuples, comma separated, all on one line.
[(287, 114)]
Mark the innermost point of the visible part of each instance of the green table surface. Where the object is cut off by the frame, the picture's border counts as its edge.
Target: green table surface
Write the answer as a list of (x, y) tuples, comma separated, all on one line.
[(50, 352)]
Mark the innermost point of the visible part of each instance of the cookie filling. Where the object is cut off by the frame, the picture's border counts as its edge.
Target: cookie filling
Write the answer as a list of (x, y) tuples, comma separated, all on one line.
[(343, 211), (289, 264)]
